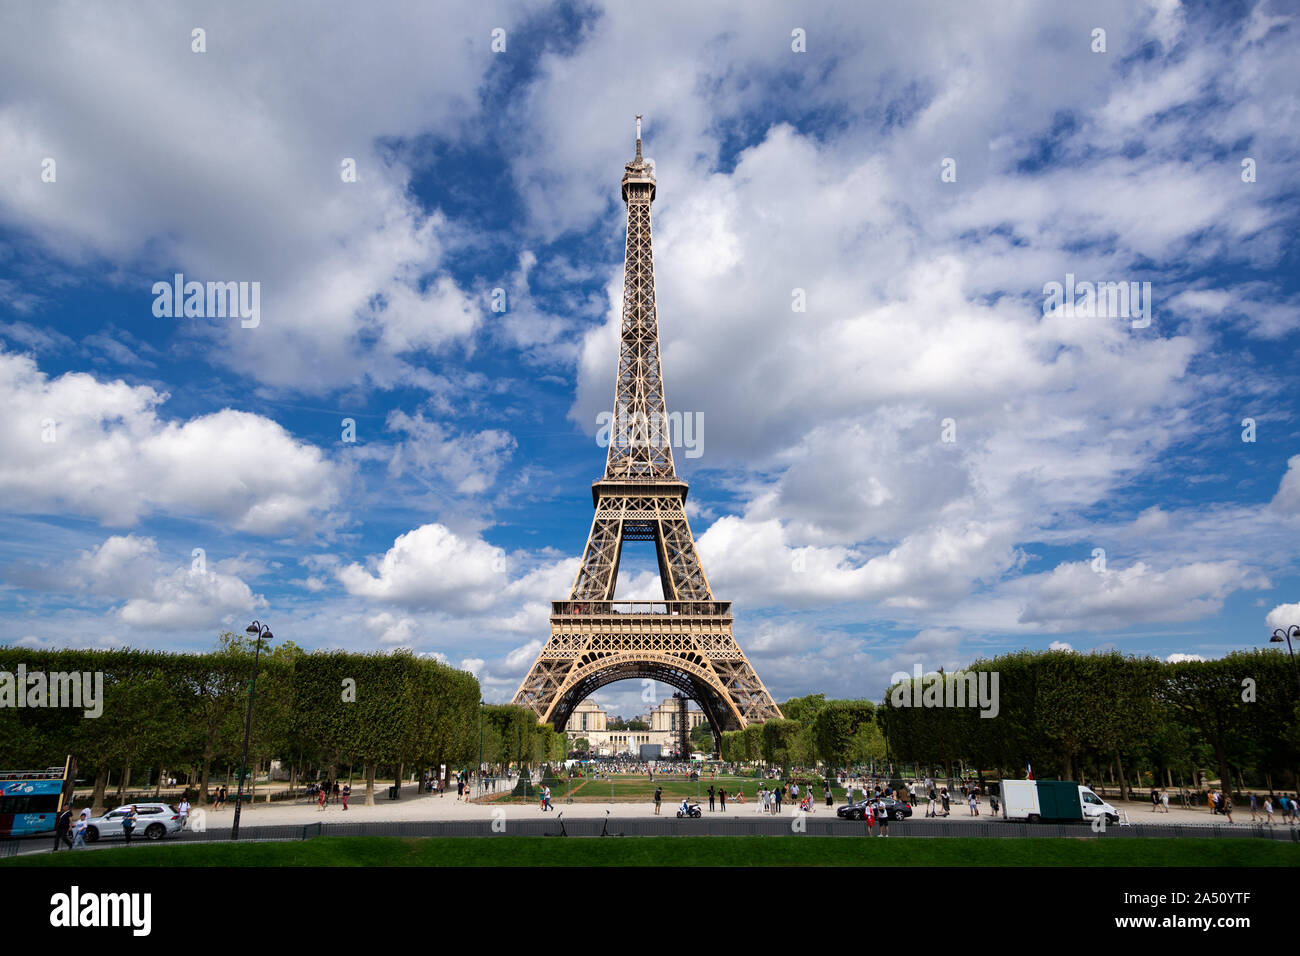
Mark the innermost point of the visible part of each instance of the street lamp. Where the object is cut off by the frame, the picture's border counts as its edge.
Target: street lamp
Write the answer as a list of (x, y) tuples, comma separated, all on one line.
[(1285, 634), (260, 633)]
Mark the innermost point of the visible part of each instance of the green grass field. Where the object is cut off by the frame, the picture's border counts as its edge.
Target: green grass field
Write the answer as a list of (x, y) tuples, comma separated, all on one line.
[(690, 851), (638, 788)]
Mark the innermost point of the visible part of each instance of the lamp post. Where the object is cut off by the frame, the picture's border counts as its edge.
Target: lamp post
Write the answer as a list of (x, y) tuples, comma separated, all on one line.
[(481, 705), (260, 633), (1285, 634)]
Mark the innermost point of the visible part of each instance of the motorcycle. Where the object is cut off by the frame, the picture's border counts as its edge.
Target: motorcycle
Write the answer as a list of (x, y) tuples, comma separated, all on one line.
[(692, 811)]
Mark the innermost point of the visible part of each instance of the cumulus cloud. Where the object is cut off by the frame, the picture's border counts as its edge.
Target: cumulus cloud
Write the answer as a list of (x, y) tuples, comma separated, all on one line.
[(77, 444), (431, 567), (159, 595), (1284, 616), (1075, 595)]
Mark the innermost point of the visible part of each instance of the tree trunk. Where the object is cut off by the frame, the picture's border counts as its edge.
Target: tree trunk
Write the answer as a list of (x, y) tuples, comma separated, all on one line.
[(125, 782), (97, 799), (1225, 774), (1124, 792), (370, 784), (204, 774)]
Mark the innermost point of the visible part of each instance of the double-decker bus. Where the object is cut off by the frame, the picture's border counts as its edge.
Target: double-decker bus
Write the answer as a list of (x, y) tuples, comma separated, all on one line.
[(30, 800)]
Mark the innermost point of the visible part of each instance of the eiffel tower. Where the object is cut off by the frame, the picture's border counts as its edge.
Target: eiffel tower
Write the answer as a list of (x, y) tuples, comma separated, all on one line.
[(685, 640)]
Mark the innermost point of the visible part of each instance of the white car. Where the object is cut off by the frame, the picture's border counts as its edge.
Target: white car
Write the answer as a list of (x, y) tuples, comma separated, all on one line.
[(153, 821)]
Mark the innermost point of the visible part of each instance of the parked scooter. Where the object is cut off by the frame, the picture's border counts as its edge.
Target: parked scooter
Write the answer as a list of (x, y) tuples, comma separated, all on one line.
[(693, 811)]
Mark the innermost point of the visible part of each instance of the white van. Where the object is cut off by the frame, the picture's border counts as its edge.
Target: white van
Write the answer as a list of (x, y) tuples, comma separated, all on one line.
[(1035, 800)]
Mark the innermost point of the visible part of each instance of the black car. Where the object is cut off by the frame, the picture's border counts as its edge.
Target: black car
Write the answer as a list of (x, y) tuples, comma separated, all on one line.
[(897, 809)]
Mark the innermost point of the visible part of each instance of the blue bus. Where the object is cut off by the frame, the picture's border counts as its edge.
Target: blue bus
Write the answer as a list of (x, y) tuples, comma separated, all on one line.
[(30, 800)]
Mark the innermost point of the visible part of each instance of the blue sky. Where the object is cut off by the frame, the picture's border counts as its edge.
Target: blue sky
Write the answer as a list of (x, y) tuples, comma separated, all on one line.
[(854, 540)]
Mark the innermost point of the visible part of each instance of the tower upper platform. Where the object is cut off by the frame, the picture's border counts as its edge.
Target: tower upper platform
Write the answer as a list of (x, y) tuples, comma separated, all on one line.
[(639, 171)]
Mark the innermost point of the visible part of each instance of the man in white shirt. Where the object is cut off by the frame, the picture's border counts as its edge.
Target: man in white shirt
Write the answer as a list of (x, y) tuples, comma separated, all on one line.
[(79, 829)]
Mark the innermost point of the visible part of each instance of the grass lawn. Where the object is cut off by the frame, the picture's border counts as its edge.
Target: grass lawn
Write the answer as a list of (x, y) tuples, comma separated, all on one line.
[(691, 851), (638, 788)]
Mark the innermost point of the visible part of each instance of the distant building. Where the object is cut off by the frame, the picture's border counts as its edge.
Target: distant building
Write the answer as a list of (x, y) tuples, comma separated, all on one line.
[(589, 721)]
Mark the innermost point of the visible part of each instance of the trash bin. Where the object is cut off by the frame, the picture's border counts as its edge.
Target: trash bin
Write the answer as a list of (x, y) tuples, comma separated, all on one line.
[(394, 793)]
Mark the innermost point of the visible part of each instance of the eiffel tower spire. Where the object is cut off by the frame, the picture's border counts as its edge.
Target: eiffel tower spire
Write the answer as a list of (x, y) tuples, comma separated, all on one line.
[(686, 640), (640, 444)]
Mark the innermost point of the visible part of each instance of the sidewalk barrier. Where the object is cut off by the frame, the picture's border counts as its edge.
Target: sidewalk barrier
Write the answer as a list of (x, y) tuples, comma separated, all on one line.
[(740, 825)]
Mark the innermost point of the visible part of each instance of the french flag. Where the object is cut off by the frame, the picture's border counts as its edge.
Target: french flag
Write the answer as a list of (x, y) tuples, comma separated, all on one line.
[(1029, 771)]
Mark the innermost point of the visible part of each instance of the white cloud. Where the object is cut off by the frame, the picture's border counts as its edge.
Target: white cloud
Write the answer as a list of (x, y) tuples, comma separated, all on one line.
[(389, 629), (1283, 616), (1074, 595), (352, 272), (468, 463), (113, 458), (432, 567), (160, 596)]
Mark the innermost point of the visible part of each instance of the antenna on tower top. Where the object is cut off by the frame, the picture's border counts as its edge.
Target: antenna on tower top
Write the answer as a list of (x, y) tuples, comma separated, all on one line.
[(638, 137)]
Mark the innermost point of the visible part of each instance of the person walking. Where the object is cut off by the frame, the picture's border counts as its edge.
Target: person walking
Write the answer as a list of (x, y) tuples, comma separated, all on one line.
[(320, 799), (659, 795), (882, 818), (947, 807), (970, 801), (1164, 799), (183, 811), (79, 830), (711, 794), (1268, 809), (63, 829), (722, 799), (826, 790), (128, 825), (1254, 807), (1227, 806), (347, 792)]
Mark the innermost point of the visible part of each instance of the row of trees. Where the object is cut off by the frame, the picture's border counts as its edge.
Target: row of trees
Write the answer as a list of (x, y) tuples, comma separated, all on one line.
[(317, 713), (835, 732), (1088, 715)]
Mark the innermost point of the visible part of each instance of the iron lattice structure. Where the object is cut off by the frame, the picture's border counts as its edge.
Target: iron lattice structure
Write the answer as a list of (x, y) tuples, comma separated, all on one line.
[(684, 641)]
